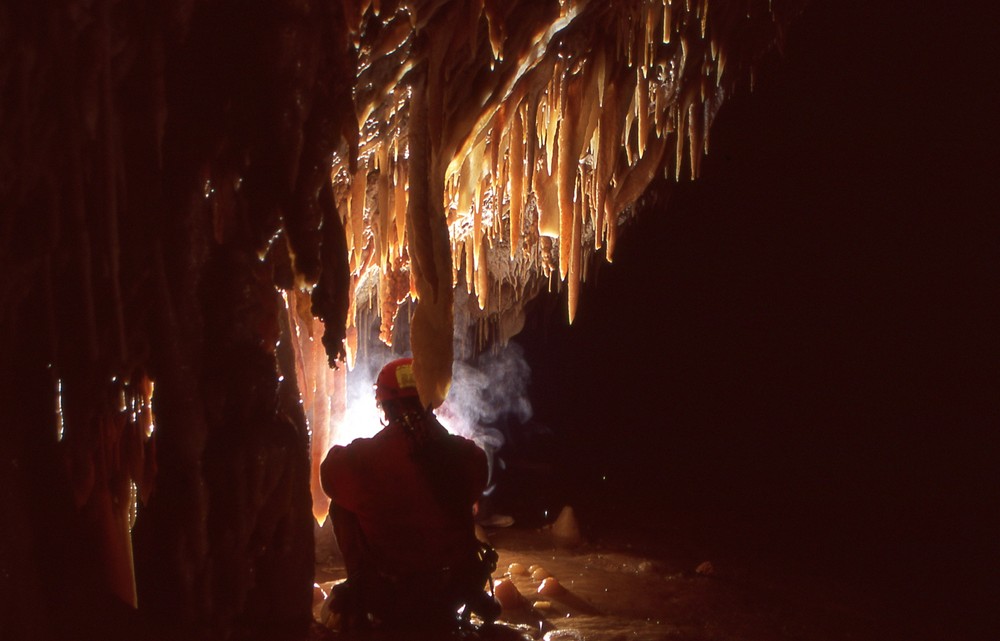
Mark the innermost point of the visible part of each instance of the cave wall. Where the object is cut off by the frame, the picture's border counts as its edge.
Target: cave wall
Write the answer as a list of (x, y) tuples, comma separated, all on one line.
[(151, 153)]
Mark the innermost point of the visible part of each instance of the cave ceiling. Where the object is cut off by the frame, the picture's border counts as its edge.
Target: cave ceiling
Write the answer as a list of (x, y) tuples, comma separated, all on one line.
[(538, 125), (371, 153)]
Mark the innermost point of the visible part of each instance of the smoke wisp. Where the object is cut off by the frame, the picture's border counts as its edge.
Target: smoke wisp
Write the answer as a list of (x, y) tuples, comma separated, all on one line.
[(483, 393)]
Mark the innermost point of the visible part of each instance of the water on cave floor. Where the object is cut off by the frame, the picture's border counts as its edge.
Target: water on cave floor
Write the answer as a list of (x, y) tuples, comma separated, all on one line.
[(650, 588)]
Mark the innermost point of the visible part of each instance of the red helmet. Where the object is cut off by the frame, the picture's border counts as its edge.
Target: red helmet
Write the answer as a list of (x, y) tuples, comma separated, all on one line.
[(396, 381)]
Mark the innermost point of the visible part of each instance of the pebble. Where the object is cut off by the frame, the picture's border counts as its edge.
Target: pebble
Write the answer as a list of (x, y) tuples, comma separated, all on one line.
[(550, 586), (539, 573), (705, 569), (507, 594)]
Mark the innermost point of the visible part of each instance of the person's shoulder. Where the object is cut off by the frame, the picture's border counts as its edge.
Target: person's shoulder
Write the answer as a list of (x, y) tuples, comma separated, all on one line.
[(348, 452), (464, 443)]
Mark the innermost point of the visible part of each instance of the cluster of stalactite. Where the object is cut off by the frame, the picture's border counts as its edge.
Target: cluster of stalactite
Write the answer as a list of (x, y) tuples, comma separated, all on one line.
[(543, 123), (201, 200)]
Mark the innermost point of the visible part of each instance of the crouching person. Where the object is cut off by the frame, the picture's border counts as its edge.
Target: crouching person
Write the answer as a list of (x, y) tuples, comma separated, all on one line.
[(402, 513)]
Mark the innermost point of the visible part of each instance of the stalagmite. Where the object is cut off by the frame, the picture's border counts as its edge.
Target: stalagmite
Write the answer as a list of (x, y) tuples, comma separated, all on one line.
[(565, 529)]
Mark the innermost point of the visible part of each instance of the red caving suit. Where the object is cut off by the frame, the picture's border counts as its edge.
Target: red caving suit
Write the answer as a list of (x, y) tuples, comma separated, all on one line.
[(388, 517)]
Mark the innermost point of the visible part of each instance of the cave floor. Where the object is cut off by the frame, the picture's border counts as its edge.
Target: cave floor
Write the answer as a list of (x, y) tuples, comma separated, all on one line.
[(652, 588)]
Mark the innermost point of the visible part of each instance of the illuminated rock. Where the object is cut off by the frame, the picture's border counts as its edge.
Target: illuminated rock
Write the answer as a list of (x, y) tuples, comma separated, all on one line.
[(705, 568), (539, 574), (521, 135), (319, 595), (507, 595), (550, 587), (566, 530)]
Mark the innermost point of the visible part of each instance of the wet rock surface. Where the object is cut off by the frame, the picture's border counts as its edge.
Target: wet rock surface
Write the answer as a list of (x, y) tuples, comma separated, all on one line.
[(614, 589)]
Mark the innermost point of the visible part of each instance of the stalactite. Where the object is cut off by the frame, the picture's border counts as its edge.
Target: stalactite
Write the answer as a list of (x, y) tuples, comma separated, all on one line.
[(482, 274), (312, 375), (530, 136), (399, 207), (516, 163), (642, 109), (565, 180), (358, 191), (383, 207), (431, 329), (575, 251), (696, 142)]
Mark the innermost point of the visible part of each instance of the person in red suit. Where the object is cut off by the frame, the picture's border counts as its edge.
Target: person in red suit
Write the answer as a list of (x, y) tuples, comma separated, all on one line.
[(402, 512)]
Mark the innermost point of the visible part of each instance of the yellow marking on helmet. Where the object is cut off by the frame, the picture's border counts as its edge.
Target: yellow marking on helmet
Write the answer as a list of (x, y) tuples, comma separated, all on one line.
[(405, 377)]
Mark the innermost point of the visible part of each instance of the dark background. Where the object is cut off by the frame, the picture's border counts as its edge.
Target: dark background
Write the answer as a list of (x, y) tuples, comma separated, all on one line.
[(798, 352)]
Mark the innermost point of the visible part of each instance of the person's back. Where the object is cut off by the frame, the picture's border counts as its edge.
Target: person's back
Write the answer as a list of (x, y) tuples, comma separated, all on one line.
[(407, 525), (402, 510)]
